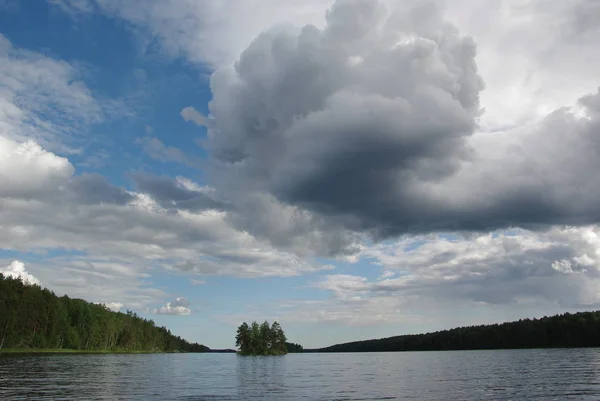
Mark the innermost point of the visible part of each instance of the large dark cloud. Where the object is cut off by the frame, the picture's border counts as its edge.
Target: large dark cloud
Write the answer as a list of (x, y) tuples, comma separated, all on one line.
[(341, 120), (369, 123)]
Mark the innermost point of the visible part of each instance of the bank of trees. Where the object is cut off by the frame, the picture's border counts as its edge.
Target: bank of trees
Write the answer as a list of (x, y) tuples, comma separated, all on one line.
[(263, 339), (34, 317), (566, 330), (294, 348)]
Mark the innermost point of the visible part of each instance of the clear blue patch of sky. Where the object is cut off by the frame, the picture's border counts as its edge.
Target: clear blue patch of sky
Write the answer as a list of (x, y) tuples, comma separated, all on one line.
[(8, 254), (364, 267), (41, 255), (230, 293)]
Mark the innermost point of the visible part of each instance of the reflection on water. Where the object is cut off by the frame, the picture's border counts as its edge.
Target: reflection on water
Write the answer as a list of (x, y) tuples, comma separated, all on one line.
[(518, 374), (259, 377)]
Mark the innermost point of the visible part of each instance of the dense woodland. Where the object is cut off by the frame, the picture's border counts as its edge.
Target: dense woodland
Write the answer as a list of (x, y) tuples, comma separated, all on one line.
[(34, 317), (263, 339), (294, 348), (567, 330)]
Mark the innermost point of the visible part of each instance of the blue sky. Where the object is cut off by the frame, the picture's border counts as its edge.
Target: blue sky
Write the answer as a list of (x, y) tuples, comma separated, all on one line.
[(363, 177)]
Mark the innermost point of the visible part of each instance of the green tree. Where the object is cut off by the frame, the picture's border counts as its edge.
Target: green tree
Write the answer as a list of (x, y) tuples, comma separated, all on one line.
[(279, 338), (243, 336), (264, 339), (32, 317)]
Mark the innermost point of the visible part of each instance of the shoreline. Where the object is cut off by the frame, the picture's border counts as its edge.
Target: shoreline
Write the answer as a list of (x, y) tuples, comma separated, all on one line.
[(78, 351)]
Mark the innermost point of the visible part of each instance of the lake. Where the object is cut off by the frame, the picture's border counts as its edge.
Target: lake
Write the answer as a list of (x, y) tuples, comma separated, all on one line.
[(557, 374)]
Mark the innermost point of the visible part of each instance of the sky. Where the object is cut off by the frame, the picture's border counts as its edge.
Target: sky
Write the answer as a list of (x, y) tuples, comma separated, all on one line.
[(353, 169)]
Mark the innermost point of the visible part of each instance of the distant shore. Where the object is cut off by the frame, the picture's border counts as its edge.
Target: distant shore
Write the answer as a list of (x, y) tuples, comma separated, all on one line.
[(75, 351)]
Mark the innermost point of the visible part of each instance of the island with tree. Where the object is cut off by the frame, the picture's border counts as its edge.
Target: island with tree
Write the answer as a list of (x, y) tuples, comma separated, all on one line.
[(263, 339)]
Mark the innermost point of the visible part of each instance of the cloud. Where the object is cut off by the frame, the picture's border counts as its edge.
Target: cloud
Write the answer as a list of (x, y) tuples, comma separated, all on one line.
[(380, 101), (16, 270), (95, 189), (560, 266), (167, 223), (385, 134), (439, 281), (538, 175), (178, 193), (529, 70), (369, 122), (27, 170), (113, 306), (208, 32), (289, 227), (161, 152), (97, 277), (193, 115), (179, 307), (381, 136), (44, 99)]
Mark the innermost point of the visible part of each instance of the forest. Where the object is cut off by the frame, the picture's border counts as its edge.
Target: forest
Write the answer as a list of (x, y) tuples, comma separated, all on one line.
[(294, 348), (263, 339), (561, 331), (35, 318)]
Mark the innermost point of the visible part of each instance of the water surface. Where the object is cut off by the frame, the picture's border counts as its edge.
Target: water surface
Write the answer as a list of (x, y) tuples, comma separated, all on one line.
[(556, 374)]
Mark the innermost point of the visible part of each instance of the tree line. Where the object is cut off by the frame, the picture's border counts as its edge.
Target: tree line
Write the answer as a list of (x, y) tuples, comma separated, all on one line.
[(263, 339), (294, 348), (561, 331), (34, 317)]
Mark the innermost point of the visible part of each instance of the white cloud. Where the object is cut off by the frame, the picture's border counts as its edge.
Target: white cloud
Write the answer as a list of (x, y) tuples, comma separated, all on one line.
[(209, 32), (536, 170), (43, 99), (171, 224), (529, 69), (441, 281), (386, 274), (113, 306), (497, 268), (385, 149), (16, 269), (193, 115), (157, 150), (298, 145), (179, 307), (344, 286), (27, 170)]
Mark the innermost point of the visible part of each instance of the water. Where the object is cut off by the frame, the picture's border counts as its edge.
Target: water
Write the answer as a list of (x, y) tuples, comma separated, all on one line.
[(557, 374)]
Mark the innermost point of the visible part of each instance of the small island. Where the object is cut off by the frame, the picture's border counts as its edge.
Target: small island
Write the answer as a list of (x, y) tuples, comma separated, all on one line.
[(263, 339)]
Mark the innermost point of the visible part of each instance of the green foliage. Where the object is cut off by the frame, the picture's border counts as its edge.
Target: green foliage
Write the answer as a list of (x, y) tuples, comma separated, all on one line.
[(34, 317), (261, 339), (560, 331), (294, 348)]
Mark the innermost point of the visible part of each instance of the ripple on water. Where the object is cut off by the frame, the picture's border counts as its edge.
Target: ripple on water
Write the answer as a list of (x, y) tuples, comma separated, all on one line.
[(469, 375)]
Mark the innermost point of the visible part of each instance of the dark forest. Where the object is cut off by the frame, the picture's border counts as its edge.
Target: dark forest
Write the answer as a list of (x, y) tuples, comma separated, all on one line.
[(560, 331), (32, 317)]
